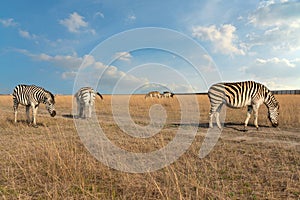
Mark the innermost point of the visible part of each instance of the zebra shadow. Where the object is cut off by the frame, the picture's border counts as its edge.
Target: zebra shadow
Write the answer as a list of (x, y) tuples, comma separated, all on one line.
[(240, 126), (231, 125), (23, 122), (69, 116), (199, 125)]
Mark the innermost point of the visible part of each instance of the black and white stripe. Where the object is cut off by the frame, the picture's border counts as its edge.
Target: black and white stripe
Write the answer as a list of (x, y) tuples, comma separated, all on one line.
[(32, 96), (85, 98), (241, 94)]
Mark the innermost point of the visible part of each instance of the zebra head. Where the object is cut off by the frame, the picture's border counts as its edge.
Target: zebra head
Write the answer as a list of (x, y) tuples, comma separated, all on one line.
[(49, 101), (273, 115)]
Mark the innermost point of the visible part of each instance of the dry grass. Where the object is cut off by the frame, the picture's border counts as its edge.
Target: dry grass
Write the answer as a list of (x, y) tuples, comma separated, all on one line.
[(50, 162)]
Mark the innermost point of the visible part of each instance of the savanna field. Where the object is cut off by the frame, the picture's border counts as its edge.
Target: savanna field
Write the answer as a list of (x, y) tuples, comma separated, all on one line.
[(51, 162)]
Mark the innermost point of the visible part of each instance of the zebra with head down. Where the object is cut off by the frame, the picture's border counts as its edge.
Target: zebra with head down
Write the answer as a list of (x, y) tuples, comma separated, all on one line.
[(167, 94), (241, 94), (32, 96)]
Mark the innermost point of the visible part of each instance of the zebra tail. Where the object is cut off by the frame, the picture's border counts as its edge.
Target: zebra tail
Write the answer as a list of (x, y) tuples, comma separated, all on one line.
[(99, 95)]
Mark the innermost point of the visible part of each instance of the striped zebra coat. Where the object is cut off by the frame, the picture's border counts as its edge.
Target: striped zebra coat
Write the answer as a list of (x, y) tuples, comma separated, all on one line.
[(32, 96), (85, 98), (241, 94)]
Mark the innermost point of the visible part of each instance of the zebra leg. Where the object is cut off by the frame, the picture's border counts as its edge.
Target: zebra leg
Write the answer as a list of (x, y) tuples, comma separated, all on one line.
[(255, 109), (250, 108), (27, 114), (34, 111), (217, 114), (83, 111), (81, 107), (90, 111), (211, 116), (78, 110), (16, 105)]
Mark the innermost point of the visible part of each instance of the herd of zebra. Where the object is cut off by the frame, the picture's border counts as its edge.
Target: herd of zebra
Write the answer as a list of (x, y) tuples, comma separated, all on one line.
[(234, 95), (159, 95)]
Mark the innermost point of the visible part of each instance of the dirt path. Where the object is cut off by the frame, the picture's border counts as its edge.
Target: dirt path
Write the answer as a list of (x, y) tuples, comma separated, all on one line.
[(279, 137)]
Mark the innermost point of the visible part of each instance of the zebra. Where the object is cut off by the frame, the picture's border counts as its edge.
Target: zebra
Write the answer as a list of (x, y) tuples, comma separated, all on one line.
[(32, 96), (167, 94), (153, 94), (241, 94), (85, 98)]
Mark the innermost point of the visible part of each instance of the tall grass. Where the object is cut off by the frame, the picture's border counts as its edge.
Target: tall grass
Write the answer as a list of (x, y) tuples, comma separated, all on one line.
[(50, 162)]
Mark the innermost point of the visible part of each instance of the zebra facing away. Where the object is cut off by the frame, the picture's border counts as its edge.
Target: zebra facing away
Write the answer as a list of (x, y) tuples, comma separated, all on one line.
[(85, 98), (32, 96), (241, 94), (167, 94), (153, 94)]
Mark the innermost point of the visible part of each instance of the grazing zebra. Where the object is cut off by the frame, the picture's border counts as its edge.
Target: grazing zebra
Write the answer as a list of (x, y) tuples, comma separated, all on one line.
[(85, 98), (32, 96), (241, 94), (167, 94), (153, 94)]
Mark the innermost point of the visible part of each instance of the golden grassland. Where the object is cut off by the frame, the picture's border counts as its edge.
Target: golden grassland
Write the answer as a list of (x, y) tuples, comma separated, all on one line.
[(50, 162)]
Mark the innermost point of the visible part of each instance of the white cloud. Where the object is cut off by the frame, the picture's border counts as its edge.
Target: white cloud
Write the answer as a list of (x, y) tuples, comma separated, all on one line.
[(275, 61), (124, 56), (273, 68), (130, 18), (278, 84), (8, 22), (280, 23), (65, 61), (99, 14), (69, 75), (222, 38), (27, 35), (75, 23), (276, 14), (91, 70)]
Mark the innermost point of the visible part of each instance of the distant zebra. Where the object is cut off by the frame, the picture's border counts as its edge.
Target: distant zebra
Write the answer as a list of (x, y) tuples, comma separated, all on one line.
[(241, 94), (85, 98), (167, 94), (153, 94), (32, 96)]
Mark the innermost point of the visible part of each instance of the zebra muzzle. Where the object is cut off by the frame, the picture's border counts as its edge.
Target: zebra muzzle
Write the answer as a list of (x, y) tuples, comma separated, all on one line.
[(53, 113), (274, 124)]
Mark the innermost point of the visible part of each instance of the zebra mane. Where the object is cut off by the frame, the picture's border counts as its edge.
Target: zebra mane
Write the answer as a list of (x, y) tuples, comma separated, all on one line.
[(271, 99), (52, 96)]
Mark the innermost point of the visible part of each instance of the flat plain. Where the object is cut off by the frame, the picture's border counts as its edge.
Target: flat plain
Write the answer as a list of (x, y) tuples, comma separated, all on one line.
[(51, 162)]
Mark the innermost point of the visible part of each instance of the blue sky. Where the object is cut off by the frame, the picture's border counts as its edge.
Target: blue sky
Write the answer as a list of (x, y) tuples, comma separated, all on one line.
[(46, 42)]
